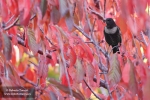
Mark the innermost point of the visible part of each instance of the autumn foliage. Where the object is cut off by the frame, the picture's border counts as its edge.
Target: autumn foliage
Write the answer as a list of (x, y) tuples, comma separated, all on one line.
[(58, 48)]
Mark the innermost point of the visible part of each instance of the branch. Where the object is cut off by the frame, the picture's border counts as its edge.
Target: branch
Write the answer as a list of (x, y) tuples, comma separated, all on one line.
[(11, 25), (60, 41), (21, 42), (10, 19), (92, 91), (144, 39), (33, 17), (25, 79), (114, 47), (100, 16)]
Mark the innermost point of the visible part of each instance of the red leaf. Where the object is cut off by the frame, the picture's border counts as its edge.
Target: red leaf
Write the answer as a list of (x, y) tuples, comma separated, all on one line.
[(148, 52), (129, 76), (4, 10), (69, 55), (87, 52), (64, 80), (13, 6), (87, 92), (122, 24), (26, 8), (29, 75)]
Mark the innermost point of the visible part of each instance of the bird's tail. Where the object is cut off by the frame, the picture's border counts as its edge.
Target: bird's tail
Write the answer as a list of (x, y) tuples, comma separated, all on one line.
[(115, 49)]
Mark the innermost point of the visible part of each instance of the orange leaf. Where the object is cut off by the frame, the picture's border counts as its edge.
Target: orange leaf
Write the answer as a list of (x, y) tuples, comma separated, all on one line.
[(26, 8), (87, 52), (122, 24)]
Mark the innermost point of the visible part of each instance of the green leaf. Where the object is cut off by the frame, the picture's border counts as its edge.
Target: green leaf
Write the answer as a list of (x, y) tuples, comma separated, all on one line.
[(43, 7), (7, 47), (32, 42), (114, 74)]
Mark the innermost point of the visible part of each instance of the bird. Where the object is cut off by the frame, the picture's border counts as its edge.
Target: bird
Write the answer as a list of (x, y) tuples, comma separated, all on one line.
[(112, 35)]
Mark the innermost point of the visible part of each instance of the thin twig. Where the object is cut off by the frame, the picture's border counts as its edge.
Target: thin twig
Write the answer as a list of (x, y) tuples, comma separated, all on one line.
[(11, 25), (86, 35), (21, 42), (33, 17), (63, 59), (114, 47), (33, 63), (10, 19), (28, 81), (100, 16), (88, 42), (49, 40), (144, 39), (92, 91)]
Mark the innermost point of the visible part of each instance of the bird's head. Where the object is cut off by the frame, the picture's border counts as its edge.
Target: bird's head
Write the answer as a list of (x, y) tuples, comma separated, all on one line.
[(110, 23)]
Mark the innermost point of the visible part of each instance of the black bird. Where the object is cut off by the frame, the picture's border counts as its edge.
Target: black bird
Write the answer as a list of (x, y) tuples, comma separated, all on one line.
[(112, 34)]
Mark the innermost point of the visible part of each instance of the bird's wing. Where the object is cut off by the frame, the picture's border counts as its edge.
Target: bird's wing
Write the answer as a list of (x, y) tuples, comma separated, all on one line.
[(119, 35)]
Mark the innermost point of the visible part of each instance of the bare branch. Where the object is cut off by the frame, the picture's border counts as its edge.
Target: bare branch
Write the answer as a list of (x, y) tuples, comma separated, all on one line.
[(114, 47), (100, 16), (33, 17), (10, 20), (63, 59), (92, 91), (144, 39), (21, 42), (49, 40), (26, 80)]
